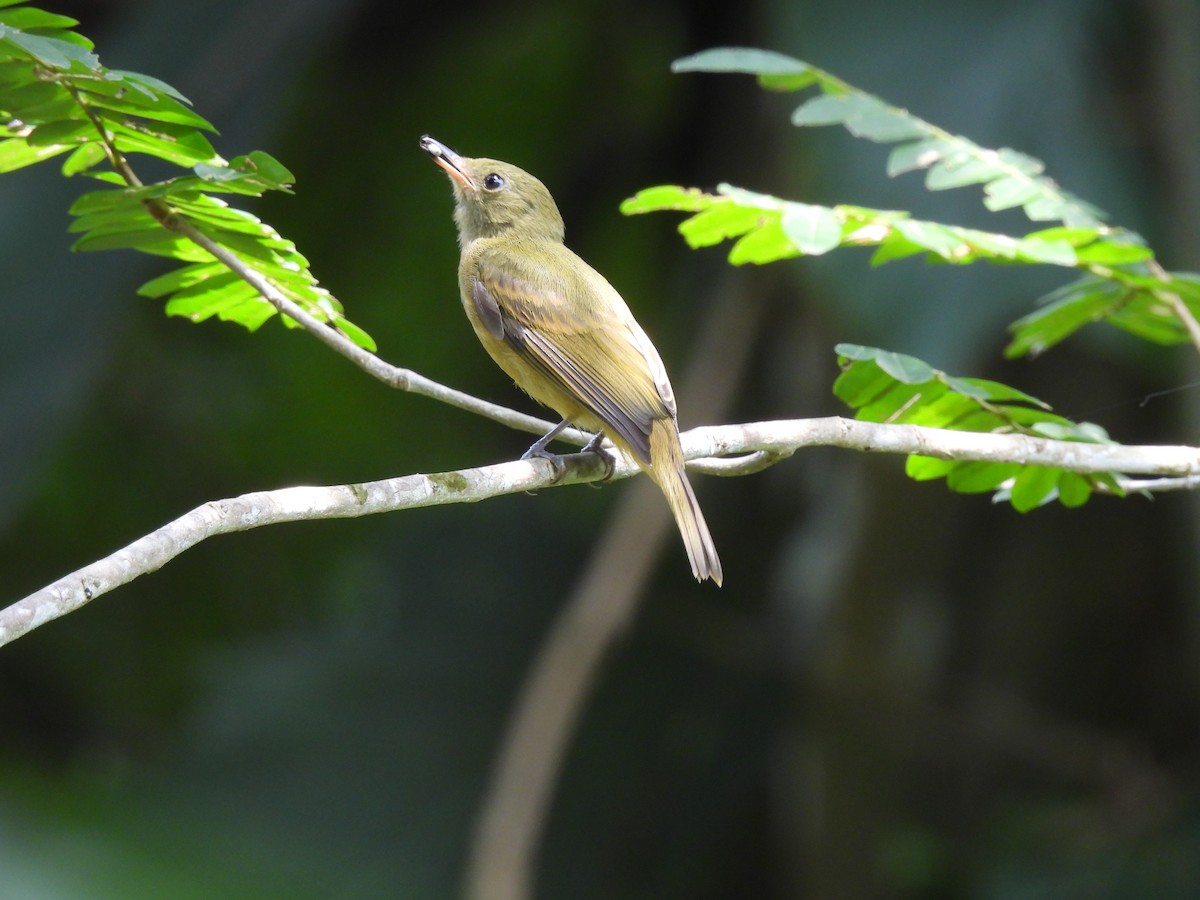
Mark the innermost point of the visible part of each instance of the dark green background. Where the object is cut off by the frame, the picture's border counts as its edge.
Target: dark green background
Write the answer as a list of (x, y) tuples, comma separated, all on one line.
[(898, 693)]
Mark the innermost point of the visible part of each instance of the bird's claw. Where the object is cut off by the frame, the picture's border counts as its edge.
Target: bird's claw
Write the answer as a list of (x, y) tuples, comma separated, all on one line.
[(610, 461), (559, 464)]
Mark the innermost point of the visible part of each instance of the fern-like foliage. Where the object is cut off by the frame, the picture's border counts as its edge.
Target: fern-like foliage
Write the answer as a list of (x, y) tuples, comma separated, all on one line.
[(1009, 178), (56, 99), (766, 229), (1120, 281), (1123, 284), (883, 386)]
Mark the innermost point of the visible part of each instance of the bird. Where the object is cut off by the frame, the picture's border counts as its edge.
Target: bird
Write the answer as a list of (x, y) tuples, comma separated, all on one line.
[(563, 333)]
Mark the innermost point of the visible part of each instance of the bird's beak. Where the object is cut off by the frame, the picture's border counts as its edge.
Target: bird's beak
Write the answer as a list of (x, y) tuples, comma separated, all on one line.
[(448, 160)]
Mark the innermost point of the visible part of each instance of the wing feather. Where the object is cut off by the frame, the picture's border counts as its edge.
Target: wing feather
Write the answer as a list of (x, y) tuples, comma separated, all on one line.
[(594, 351)]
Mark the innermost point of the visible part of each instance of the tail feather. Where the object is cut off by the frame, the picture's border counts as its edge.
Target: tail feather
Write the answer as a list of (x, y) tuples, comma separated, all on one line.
[(666, 468)]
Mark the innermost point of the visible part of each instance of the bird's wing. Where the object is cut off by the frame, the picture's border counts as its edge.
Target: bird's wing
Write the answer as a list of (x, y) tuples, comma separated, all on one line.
[(590, 346)]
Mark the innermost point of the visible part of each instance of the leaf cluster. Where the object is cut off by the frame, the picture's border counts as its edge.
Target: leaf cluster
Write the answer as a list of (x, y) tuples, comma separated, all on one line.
[(57, 99), (884, 386), (1119, 280)]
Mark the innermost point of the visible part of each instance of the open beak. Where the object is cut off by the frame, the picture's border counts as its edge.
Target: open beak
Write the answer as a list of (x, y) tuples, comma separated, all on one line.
[(448, 160)]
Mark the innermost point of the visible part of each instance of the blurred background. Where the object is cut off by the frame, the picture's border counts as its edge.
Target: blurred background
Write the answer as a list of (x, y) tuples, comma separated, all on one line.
[(899, 692)]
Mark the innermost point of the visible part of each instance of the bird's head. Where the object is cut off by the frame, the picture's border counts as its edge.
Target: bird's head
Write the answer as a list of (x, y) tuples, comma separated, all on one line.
[(495, 199)]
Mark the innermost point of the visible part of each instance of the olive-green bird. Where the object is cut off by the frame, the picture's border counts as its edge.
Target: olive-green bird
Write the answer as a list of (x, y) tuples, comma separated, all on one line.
[(563, 333)]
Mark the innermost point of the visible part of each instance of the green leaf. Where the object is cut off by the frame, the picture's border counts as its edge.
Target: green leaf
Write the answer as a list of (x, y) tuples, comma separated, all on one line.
[(114, 94), (1064, 312), (181, 278), (994, 391), (251, 313), (356, 334), (763, 244), (211, 296), (251, 174), (96, 201), (1053, 253), (149, 85), (1021, 162), (1073, 490), (268, 247), (1034, 486), (774, 70), (812, 229), (832, 109), (903, 367), (977, 477), (178, 144), (127, 218), (59, 106), (65, 131), (1114, 253), (30, 96), (747, 60), (665, 197), (863, 116), (883, 386), (49, 51), (1009, 191), (206, 209), (917, 155), (943, 240), (29, 18), (719, 222), (83, 158), (927, 468), (961, 171), (1133, 303), (15, 153), (130, 232), (1150, 317), (159, 242)]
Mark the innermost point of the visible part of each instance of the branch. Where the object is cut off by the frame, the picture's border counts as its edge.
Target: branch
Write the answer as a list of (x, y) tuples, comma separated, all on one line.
[(786, 436), (764, 440), (393, 376)]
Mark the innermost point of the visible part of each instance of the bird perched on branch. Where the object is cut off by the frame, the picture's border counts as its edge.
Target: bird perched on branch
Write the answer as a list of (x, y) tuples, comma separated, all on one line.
[(564, 334)]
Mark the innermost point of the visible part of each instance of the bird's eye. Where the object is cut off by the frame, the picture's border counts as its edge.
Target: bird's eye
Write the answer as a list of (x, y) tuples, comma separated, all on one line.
[(493, 182)]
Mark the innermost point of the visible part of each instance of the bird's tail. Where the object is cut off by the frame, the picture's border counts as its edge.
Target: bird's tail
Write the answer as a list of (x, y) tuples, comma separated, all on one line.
[(667, 470)]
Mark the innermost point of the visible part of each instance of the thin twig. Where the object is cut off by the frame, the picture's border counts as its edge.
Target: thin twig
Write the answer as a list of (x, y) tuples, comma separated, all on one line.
[(1159, 485), (1181, 310), (393, 376)]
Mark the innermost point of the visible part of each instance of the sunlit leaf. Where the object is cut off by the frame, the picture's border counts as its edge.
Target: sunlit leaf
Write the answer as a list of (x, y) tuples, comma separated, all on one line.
[(972, 477), (83, 158), (181, 278), (54, 52), (1034, 486), (16, 153), (884, 386), (62, 132), (131, 97), (29, 18), (813, 230)]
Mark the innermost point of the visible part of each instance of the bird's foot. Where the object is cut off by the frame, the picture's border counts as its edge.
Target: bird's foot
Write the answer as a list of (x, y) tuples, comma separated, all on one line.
[(610, 461), (539, 451)]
